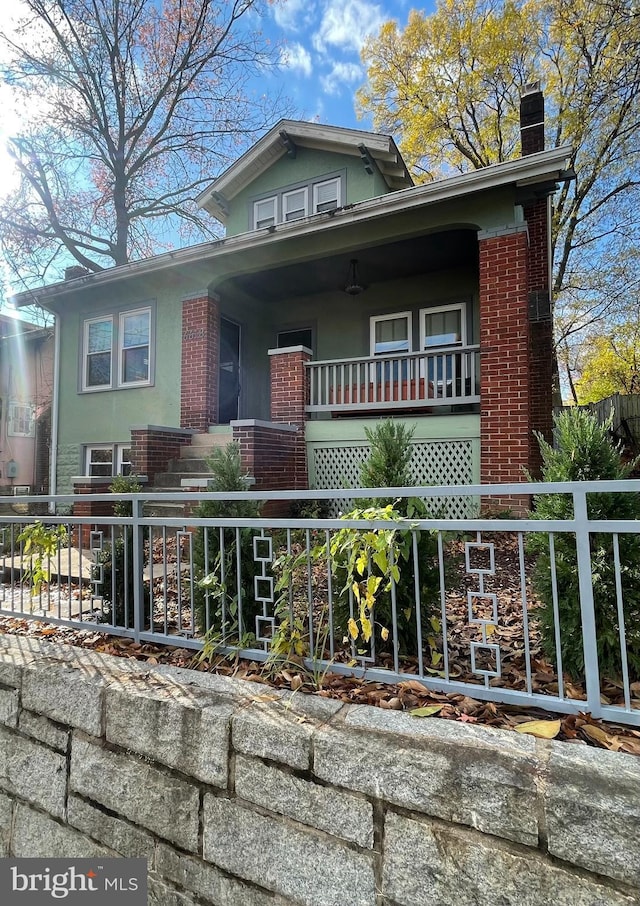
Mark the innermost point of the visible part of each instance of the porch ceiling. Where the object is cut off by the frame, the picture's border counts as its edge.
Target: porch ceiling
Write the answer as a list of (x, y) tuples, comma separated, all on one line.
[(376, 264)]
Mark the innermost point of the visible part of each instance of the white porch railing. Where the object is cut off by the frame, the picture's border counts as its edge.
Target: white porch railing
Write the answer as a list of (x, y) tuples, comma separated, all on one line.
[(446, 377)]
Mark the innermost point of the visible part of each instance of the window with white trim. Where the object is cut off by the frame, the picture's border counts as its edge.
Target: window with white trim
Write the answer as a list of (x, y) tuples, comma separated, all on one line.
[(294, 205), (117, 350), (21, 421), (98, 346), (443, 325), (107, 460), (297, 201), (391, 333), (442, 328), (326, 195), (134, 335), (264, 213)]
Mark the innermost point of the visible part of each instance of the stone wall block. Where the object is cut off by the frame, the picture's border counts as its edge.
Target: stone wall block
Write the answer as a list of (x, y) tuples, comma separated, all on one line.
[(37, 836), (160, 894), (333, 811), (209, 882), (66, 693), (118, 835), (429, 864), (269, 730), (290, 860), (181, 727), (33, 772), (44, 730), (468, 775), (14, 657), (6, 809), (592, 805), (9, 707), (136, 790)]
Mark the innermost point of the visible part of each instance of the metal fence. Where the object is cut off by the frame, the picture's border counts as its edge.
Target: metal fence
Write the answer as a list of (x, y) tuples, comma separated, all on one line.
[(524, 611)]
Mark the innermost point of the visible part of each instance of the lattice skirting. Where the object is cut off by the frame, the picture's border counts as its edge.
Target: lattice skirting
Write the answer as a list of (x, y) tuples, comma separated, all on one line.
[(439, 462)]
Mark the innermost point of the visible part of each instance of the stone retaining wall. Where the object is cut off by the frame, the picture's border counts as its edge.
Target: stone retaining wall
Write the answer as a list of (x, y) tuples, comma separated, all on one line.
[(239, 795)]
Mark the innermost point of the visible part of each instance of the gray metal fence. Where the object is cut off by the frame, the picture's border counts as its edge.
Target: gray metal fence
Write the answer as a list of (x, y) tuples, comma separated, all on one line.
[(524, 611)]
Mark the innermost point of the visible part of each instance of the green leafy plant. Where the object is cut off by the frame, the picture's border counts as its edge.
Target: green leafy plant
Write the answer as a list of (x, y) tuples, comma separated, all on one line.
[(40, 544), (116, 560), (216, 552), (583, 452), (389, 462), (124, 484)]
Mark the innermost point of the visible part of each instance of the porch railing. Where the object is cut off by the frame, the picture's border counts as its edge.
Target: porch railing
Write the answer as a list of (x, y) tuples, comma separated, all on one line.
[(461, 614), (417, 380)]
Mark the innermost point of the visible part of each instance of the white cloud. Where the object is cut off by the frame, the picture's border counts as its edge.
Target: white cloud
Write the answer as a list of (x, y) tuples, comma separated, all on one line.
[(346, 23), (296, 57), (342, 75), (292, 15)]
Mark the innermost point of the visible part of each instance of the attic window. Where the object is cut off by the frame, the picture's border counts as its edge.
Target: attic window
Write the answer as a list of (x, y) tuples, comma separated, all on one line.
[(294, 204), (264, 213), (326, 196)]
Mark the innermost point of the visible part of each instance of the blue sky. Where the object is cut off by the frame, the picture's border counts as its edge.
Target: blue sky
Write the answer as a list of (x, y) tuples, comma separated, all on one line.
[(320, 66)]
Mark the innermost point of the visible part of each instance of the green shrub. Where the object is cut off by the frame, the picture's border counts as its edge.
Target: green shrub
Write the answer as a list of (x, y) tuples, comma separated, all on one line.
[(219, 560), (389, 465), (117, 591), (584, 452)]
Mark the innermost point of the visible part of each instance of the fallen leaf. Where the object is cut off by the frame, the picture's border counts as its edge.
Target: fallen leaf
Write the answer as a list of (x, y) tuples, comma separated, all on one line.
[(543, 729), (427, 711)]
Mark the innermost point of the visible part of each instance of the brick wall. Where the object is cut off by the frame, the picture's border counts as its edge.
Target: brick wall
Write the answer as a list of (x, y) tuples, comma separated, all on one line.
[(93, 508), (289, 397), (272, 456), (153, 446), (200, 354), (505, 419), (541, 329)]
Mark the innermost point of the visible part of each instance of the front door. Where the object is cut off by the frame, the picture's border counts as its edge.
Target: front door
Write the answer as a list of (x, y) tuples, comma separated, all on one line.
[(229, 372)]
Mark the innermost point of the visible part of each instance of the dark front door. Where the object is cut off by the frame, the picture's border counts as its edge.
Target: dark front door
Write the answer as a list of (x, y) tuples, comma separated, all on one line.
[(229, 372)]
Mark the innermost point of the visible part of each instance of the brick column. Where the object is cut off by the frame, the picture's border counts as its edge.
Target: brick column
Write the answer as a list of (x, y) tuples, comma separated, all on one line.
[(200, 354), (505, 418), (540, 328), (269, 453), (84, 484), (289, 398), (152, 446)]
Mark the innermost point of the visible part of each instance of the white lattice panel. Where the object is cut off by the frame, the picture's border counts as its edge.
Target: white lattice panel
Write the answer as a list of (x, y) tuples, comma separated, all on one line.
[(446, 462)]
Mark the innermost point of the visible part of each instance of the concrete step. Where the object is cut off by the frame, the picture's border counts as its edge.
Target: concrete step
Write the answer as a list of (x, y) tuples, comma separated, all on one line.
[(173, 480), (188, 465)]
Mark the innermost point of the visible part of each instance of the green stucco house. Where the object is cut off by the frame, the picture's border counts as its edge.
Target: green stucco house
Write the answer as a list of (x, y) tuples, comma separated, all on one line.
[(341, 293)]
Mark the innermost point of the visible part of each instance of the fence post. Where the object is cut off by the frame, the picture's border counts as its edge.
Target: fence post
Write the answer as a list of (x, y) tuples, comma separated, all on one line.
[(587, 610), (138, 566)]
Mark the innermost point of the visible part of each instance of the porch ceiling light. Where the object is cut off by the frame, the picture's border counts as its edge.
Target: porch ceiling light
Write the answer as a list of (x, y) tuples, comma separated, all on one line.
[(353, 286)]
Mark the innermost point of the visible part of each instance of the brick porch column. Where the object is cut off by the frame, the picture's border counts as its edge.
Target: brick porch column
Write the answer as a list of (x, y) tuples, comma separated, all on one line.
[(289, 398), (200, 354), (541, 356), (84, 484), (505, 417)]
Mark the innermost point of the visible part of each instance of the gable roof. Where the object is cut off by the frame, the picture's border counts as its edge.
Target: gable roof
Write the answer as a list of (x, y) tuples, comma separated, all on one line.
[(374, 149)]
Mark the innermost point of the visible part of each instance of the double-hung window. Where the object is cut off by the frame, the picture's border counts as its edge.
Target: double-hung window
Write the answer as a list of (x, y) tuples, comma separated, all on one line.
[(443, 329), (134, 337), (326, 195), (294, 204), (116, 350), (98, 346), (390, 335), (22, 419), (264, 213)]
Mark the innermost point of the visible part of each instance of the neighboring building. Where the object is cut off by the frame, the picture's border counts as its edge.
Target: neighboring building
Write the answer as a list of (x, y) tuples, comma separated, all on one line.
[(26, 387), (341, 292)]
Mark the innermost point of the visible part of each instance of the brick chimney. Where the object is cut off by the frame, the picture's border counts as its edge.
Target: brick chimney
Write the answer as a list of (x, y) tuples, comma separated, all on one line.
[(531, 119)]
